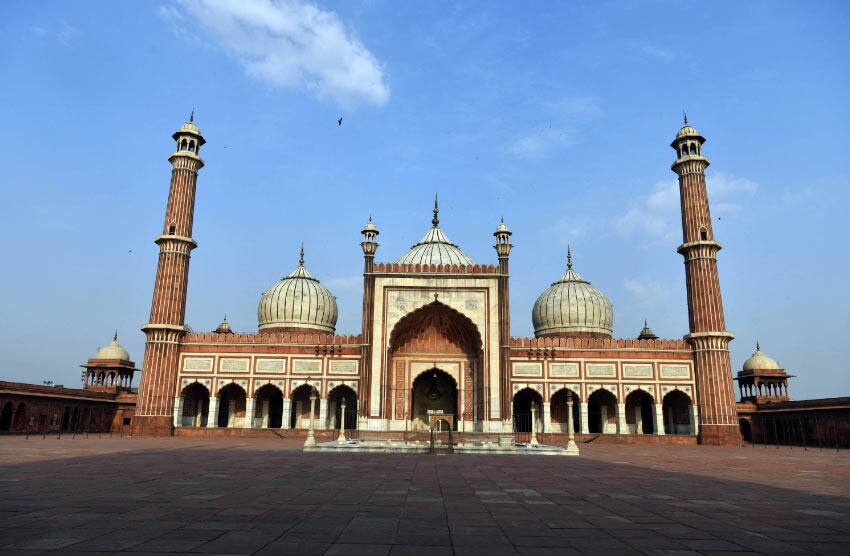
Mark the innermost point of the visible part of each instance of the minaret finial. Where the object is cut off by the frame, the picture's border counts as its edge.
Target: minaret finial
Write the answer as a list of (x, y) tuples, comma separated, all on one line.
[(685, 117), (301, 259), (225, 317), (644, 323), (115, 336), (436, 220), (758, 348), (192, 115), (569, 258)]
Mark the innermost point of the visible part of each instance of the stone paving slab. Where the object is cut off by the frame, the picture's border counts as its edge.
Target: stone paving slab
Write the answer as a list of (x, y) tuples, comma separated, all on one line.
[(259, 496)]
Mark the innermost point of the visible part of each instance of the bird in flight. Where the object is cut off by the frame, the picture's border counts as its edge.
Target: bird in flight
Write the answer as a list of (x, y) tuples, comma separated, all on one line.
[(339, 121)]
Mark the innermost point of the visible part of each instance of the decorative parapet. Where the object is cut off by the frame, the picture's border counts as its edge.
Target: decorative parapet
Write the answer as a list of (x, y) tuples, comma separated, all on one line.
[(395, 268), (273, 338), (598, 343)]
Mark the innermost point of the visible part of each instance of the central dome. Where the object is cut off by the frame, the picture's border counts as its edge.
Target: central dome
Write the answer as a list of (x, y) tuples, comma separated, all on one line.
[(113, 350), (758, 361), (572, 307), (297, 302), (435, 247)]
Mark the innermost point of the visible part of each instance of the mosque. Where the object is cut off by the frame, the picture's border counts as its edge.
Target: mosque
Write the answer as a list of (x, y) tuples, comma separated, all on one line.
[(436, 339)]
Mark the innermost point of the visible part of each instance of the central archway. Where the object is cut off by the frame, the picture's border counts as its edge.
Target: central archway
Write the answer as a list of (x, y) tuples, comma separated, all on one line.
[(437, 345), (436, 391)]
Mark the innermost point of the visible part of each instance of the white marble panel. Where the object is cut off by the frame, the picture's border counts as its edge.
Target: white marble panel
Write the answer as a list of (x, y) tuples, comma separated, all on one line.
[(563, 370), (307, 366), (601, 370), (637, 370), (675, 371), (198, 364), (234, 365)]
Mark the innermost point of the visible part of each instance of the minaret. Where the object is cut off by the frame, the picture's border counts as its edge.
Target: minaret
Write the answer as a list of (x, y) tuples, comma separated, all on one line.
[(503, 250), (370, 247), (168, 309), (718, 419)]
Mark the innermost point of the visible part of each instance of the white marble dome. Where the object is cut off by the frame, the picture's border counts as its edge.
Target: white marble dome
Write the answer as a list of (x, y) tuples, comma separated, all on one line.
[(571, 306), (758, 361), (113, 350), (435, 247), (298, 301)]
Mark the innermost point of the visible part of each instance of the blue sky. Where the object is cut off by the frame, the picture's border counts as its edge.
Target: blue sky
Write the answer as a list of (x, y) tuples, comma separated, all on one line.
[(556, 116)]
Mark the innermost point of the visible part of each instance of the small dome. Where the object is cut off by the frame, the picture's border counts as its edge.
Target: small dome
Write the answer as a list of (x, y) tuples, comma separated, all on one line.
[(370, 227), (646, 333), (687, 131), (502, 228), (298, 301), (435, 247), (571, 306), (189, 127), (112, 350), (760, 362), (224, 327)]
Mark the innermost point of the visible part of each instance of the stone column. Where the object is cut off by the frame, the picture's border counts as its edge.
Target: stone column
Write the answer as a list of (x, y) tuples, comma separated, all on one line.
[(178, 411), (658, 417), (248, 423), (533, 441), (572, 449), (287, 413), (323, 414), (622, 427), (311, 435), (547, 418), (341, 438), (584, 424), (212, 413)]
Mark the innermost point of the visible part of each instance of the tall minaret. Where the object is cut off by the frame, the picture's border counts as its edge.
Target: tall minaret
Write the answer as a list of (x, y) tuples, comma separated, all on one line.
[(155, 406), (718, 419), (503, 250), (370, 247)]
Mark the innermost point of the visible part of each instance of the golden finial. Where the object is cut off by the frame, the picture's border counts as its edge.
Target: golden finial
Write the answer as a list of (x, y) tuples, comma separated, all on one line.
[(436, 221), (301, 259), (569, 258)]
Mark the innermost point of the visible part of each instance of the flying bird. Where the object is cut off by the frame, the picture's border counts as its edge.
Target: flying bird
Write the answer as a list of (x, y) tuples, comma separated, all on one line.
[(339, 121)]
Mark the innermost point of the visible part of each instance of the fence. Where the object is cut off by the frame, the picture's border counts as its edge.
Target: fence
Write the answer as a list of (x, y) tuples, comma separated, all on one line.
[(825, 430)]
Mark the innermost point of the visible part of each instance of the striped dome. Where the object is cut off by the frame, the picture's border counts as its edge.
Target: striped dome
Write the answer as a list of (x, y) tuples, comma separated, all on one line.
[(298, 301), (571, 306), (435, 247)]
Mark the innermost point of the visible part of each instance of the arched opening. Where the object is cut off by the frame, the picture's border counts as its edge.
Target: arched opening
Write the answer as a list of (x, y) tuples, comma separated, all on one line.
[(434, 391), (196, 405), (191, 146), (703, 234), (299, 417), (342, 392), (183, 145), (677, 413), (268, 407), (231, 406), (746, 430), (693, 149), (602, 412), (438, 333), (522, 410), (639, 413), (558, 411), (6, 417)]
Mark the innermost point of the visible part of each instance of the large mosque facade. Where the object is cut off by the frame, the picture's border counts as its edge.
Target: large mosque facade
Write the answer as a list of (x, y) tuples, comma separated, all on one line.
[(436, 340)]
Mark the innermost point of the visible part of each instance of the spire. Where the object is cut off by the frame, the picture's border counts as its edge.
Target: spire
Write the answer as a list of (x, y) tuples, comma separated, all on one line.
[(115, 336), (192, 115), (436, 220), (758, 348), (569, 258), (685, 117), (301, 259)]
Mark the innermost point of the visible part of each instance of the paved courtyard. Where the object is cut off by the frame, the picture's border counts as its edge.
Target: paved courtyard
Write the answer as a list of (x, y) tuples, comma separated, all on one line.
[(261, 496)]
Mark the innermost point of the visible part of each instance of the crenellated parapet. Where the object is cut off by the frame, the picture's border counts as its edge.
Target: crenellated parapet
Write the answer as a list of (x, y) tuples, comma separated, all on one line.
[(272, 338), (550, 343), (396, 268)]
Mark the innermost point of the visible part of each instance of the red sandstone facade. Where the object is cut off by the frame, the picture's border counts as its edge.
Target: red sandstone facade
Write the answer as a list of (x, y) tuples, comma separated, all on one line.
[(437, 336)]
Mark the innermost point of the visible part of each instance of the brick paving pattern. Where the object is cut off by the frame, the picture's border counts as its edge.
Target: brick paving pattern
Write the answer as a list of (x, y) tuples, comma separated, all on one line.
[(261, 496)]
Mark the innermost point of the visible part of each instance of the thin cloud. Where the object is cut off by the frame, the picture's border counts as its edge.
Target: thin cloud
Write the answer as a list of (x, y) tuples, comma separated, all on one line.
[(288, 44), (646, 294), (564, 117), (657, 216)]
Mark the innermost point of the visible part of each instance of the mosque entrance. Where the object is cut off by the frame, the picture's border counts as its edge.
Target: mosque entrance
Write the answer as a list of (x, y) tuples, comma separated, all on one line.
[(434, 393)]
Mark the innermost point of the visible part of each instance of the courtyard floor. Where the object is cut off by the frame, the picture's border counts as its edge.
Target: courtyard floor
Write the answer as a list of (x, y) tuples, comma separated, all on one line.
[(260, 496)]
